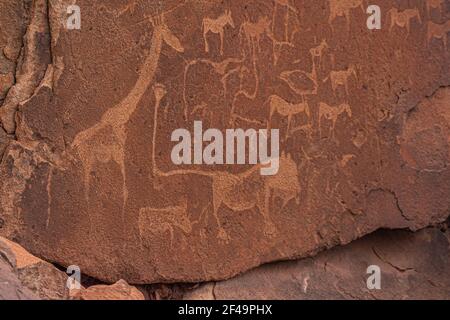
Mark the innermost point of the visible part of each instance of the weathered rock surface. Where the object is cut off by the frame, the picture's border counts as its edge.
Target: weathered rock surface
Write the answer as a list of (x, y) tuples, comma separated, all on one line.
[(11, 288), (363, 116), (121, 290), (40, 277), (24, 276), (14, 18), (413, 266)]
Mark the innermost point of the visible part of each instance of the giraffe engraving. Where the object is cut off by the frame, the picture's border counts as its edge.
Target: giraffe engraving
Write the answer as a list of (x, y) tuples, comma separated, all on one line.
[(106, 140)]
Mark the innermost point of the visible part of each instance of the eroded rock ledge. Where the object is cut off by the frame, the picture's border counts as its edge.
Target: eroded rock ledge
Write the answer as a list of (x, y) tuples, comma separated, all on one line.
[(413, 266), (86, 172)]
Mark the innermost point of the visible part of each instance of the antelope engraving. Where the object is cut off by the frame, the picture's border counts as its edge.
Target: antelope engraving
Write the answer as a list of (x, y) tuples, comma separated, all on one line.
[(342, 8), (286, 109), (438, 31), (253, 31), (403, 18), (341, 78), (156, 221), (434, 4), (217, 26), (332, 114)]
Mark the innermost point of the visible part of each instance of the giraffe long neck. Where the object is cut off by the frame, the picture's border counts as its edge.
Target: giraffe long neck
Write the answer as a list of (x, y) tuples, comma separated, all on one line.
[(121, 113)]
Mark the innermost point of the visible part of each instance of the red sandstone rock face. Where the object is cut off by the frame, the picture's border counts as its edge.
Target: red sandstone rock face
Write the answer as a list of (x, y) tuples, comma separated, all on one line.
[(36, 279), (14, 17), (363, 118), (24, 276), (41, 277), (11, 288)]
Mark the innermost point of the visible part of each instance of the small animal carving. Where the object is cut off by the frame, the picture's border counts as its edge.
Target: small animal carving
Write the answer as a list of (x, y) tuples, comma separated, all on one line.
[(253, 31), (403, 18), (286, 109), (342, 8), (217, 26), (317, 52), (157, 221), (434, 4), (341, 78), (438, 31), (129, 7), (332, 114)]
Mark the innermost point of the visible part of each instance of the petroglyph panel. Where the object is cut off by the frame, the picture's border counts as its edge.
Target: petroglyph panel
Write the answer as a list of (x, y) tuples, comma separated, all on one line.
[(88, 177)]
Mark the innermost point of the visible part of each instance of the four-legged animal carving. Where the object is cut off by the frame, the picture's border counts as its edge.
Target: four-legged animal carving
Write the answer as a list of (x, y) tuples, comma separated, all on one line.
[(340, 78), (434, 4), (286, 109), (342, 8), (332, 114), (254, 31), (217, 26), (403, 18), (157, 221), (438, 31)]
